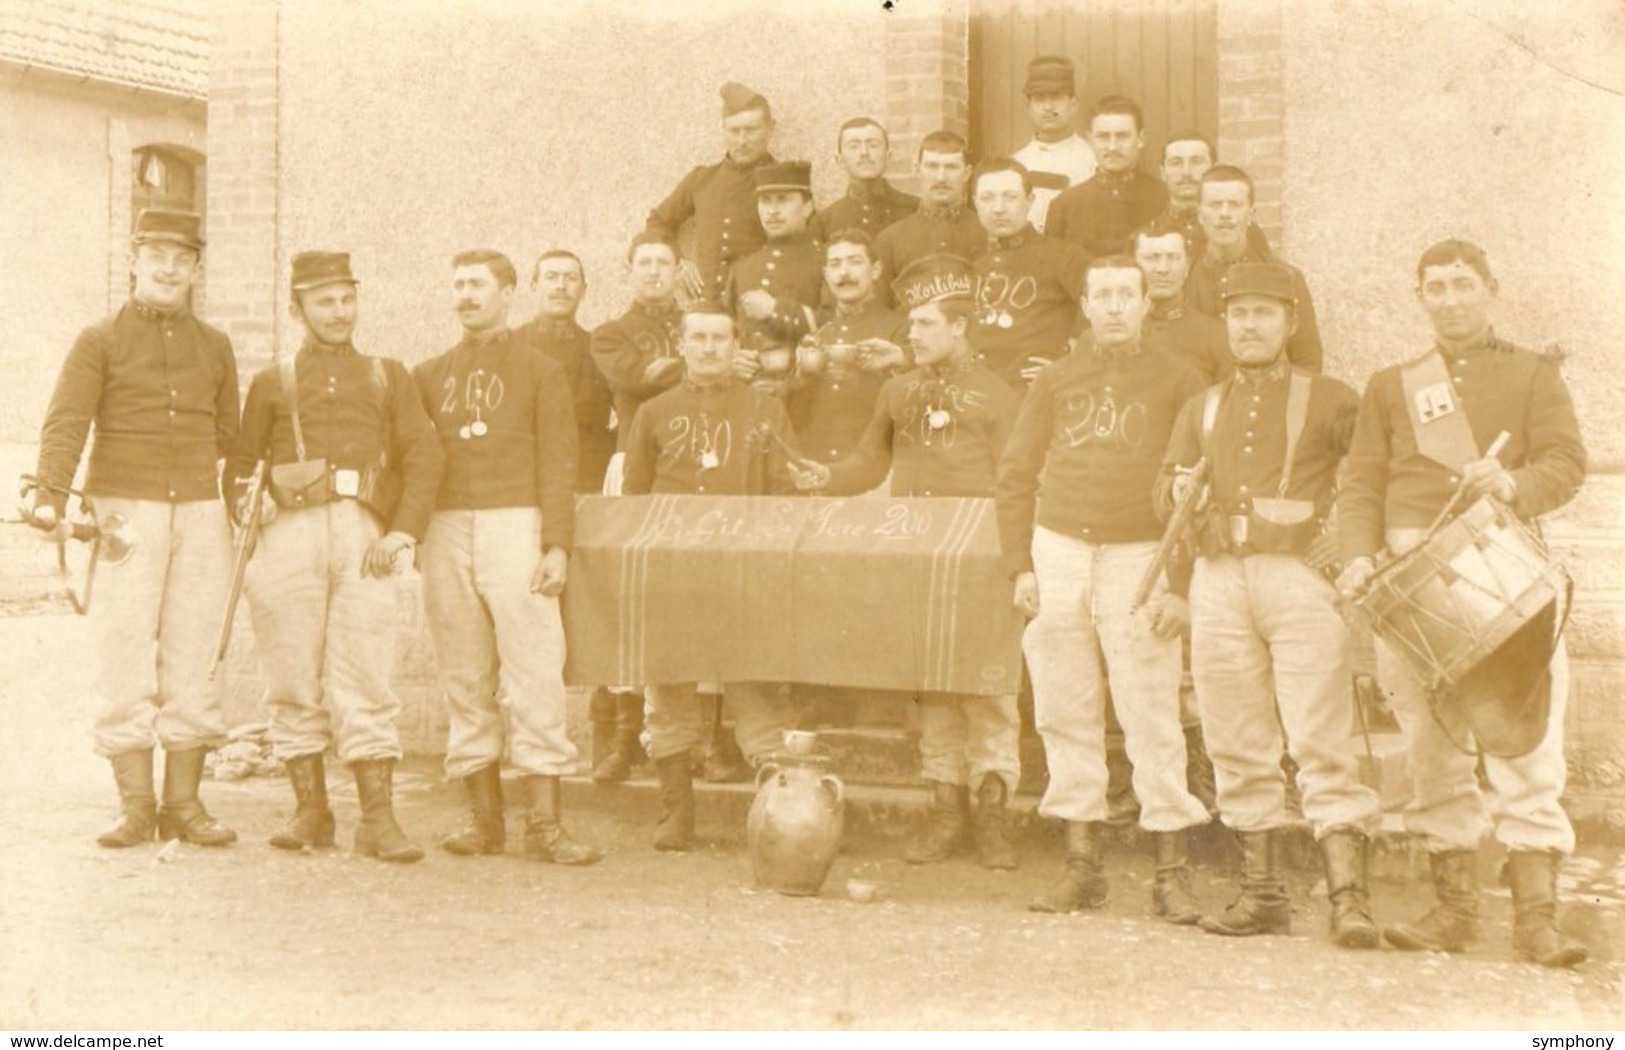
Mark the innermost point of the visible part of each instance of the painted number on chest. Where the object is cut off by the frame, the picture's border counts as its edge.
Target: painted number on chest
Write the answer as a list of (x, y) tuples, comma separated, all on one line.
[(706, 443), (478, 392)]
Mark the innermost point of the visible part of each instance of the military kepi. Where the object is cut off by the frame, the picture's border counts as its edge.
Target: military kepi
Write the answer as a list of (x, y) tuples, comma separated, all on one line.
[(314, 269), (1271, 279), (736, 98), (163, 224), (786, 175), (933, 279), (1050, 75)]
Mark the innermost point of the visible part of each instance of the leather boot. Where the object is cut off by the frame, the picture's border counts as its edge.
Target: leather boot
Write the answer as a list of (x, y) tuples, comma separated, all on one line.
[(1262, 906), (378, 835), (1535, 936), (994, 826), (675, 830), (947, 830), (485, 832), (545, 838), (601, 715), (1452, 926), (182, 816), (626, 748), (138, 806), (724, 762), (1081, 884), (311, 825), (1171, 893), (1345, 852)]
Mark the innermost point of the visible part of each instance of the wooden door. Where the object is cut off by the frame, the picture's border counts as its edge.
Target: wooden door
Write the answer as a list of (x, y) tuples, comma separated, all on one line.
[(1161, 53)]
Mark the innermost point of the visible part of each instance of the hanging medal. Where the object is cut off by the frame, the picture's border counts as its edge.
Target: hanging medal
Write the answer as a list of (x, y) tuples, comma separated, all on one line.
[(475, 428), (707, 450), (1106, 415)]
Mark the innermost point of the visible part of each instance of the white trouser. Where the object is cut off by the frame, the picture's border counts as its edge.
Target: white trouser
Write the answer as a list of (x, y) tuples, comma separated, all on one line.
[(677, 719), (155, 620), (1084, 636), (326, 634), (964, 737), (1270, 650), (497, 643)]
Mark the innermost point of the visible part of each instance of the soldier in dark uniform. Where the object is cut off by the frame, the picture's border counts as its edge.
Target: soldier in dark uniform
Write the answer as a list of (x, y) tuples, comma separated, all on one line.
[(160, 386), (775, 291), (1186, 157), (1027, 285), (939, 429), (840, 369), (1098, 215), (1163, 252), (1226, 214), (353, 465), (1421, 427), (714, 434), (944, 224), (871, 202), (720, 198), (562, 281)]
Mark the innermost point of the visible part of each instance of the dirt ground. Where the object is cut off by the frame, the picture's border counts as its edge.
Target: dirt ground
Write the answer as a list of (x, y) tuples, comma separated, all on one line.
[(250, 937)]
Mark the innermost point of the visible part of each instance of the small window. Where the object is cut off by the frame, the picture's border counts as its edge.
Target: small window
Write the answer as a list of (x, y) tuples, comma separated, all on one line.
[(162, 178)]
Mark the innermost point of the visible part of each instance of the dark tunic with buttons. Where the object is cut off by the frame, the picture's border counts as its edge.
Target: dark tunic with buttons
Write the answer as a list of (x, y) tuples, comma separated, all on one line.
[(957, 454), (1187, 223), (929, 231), (831, 413), (1501, 387), (1027, 290), (1246, 451), (791, 270), (571, 346), (1099, 214), (348, 420), (161, 389), (624, 347), (1084, 456), (867, 206), (527, 455), (1202, 293), (719, 439), (721, 200), (1195, 338)]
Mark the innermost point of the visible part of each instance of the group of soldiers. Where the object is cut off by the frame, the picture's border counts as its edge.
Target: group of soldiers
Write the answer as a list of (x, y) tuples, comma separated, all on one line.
[(1092, 348)]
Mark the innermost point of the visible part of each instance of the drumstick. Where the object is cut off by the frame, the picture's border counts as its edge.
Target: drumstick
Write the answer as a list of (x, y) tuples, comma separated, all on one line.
[(1494, 450)]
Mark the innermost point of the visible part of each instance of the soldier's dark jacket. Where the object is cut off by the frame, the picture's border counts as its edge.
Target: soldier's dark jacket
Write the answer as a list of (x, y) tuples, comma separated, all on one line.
[(1027, 290), (830, 414), (1203, 292), (721, 199), (870, 207), (929, 231), (624, 347), (721, 439), (1195, 338), (570, 345), (1099, 213), (791, 270)]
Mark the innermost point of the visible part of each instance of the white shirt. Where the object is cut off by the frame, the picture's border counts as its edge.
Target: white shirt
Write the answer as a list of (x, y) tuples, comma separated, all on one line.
[(1070, 156)]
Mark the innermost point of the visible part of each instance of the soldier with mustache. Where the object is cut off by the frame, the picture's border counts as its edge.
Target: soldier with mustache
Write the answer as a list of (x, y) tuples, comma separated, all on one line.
[(944, 224), (871, 202), (562, 281), (1098, 215), (1057, 158)]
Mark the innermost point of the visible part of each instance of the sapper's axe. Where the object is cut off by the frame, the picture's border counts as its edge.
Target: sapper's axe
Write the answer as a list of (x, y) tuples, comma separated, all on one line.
[(111, 539)]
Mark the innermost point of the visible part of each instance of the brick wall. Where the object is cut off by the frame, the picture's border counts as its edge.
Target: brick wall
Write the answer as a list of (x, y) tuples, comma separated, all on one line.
[(1252, 106), (927, 56), (242, 194)]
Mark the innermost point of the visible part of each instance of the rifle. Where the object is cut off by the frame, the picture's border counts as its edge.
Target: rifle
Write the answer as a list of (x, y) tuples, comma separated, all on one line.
[(1178, 522), (247, 537)]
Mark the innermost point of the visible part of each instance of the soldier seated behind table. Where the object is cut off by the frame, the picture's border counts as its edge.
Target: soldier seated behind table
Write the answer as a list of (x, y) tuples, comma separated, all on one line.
[(775, 290), (715, 434)]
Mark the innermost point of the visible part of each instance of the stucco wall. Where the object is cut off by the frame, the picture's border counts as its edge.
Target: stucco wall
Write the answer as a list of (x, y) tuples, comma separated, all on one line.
[(409, 131), (1408, 121), (54, 209)]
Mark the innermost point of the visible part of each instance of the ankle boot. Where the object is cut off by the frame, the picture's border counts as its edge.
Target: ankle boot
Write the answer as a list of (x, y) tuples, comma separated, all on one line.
[(1081, 884), (724, 762), (311, 825), (601, 715), (1452, 926), (138, 805), (625, 751), (994, 826), (545, 838), (947, 830), (1535, 936), (485, 833), (378, 835), (1171, 894), (182, 816), (675, 831), (1345, 851), (1262, 906)]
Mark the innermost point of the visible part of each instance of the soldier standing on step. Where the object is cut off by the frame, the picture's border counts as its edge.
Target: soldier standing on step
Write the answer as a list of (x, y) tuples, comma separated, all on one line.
[(353, 466), (1269, 648), (161, 388), (494, 562)]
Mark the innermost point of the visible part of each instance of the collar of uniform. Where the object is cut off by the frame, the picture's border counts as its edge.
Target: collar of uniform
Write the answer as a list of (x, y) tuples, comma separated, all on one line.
[(948, 213), (152, 313), (790, 240), (1257, 377), (1485, 340), (312, 346), (708, 386), (868, 189), (851, 312), (1169, 309), (953, 368), (1025, 235), (1116, 178), (1121, 352), (766, 158), (1218, 264), (486, 338), (667, 310), (555, 326)]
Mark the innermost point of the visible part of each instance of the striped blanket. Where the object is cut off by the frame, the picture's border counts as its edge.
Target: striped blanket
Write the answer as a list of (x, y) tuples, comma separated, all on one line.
[(905, 594)]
